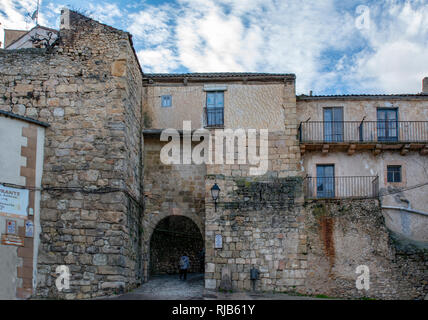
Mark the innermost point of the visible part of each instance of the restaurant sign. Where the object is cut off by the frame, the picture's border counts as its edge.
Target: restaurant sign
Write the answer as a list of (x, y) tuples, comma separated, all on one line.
[(13, 201)]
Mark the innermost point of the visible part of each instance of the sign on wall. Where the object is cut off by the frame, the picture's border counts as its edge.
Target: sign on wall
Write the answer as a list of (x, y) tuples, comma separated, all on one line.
[(218, 241), (13, 201), (11, 227), (12, 240), (29, 228)]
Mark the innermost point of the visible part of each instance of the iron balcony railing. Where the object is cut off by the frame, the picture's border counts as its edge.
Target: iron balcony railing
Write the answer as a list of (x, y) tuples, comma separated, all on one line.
[(214, 117), (363, 131), (341, 187)]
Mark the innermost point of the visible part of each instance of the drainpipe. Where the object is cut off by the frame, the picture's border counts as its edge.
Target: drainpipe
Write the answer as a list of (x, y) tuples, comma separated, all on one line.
[(406, 209)]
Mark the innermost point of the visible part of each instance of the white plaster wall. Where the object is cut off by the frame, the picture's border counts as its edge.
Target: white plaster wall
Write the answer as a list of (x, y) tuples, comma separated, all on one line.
[(10, 145), (8, 265), (415, 171), (10, 163), (255, 106)]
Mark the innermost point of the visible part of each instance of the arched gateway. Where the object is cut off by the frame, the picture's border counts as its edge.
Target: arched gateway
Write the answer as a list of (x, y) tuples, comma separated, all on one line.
[(174, 199), (173, 237), (166, 237)]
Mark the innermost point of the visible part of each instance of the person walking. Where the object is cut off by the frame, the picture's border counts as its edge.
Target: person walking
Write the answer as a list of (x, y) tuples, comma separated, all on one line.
[(184, 266)]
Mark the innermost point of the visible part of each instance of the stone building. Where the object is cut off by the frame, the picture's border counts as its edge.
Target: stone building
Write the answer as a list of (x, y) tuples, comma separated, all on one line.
[(340, 182), (326, 203)]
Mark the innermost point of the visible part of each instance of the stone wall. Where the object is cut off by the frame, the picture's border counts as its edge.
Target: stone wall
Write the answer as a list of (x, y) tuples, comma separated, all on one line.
[(261, 225), (342, 235), (311, 248), (259, 218), (88, 88)]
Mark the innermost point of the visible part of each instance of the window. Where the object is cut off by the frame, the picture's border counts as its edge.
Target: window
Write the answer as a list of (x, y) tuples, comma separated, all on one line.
[(215, 108), (325, 181), (333, 124), (387, 124), (166, 101), (393, 174)]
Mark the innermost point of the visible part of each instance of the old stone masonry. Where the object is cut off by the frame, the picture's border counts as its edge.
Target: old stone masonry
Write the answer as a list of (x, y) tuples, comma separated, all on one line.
[(88, 209)]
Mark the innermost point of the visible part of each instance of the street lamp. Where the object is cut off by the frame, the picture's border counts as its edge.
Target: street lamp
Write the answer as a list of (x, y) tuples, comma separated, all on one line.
[(215, 192)]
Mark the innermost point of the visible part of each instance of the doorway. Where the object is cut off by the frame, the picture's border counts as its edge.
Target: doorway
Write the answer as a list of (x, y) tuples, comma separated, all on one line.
[(173, 237)]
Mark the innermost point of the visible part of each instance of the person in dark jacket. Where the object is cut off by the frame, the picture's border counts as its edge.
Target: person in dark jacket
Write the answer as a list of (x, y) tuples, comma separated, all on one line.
[(184, 266)]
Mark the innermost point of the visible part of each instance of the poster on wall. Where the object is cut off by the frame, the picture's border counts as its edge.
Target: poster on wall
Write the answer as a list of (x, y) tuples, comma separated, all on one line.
[(218, 241), (11, 227), (13, 201), (29, 228)]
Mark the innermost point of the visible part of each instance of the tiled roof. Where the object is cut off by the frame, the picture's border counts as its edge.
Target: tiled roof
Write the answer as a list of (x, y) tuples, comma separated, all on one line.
[(218, 75), (17, 116), (362, 96)]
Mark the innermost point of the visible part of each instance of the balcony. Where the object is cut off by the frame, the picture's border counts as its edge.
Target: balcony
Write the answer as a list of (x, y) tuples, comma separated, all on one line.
[(368, 135), (349, 187)]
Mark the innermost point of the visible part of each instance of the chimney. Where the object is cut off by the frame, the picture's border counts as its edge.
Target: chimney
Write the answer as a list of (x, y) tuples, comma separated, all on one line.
[(425, 85), (65, 19)]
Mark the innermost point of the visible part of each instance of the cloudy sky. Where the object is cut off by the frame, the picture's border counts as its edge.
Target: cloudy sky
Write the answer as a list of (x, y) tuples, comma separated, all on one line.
[(333, 46)]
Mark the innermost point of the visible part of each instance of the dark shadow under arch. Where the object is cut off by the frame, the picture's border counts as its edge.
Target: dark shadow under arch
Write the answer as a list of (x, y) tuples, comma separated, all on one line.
[(172, 237)]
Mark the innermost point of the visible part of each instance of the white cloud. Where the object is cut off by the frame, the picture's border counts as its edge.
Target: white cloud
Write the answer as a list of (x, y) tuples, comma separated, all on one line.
[(157, 60), (268, 36), (150, 25), (105, 12), (396, 67), (399, 42), (295, 37), (316, 40), (14, 15)]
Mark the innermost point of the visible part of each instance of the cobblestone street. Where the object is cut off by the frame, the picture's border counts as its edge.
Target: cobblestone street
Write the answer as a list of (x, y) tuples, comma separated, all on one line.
[(170, 287)]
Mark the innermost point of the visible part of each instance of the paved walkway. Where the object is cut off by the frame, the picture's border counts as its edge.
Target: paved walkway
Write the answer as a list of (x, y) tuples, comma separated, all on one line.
[(170, 287)]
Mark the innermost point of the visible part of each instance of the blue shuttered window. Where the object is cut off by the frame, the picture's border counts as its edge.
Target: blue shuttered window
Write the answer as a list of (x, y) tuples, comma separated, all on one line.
[(166, 101), (215, 108)]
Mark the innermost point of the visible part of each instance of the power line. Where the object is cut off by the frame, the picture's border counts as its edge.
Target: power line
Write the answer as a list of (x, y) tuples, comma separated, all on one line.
[(98, 190)]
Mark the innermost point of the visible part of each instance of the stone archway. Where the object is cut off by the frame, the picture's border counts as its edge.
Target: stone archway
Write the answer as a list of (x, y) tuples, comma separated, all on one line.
[(173, 237), (149, 224)]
